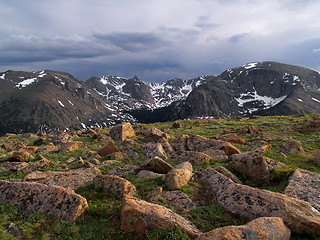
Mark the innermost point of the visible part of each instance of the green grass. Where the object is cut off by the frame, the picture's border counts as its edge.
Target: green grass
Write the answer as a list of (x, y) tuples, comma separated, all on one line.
[(210, 217), (102, 221)]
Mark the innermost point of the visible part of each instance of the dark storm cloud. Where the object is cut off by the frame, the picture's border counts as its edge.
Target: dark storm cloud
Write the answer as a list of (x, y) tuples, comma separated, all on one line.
[(156, 40), (132, 41), (21, 48)]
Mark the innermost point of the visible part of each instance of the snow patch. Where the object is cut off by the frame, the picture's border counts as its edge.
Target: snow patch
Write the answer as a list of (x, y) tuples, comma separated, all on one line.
[(268, 102), (70, 102), (296, 78), (300, 100), (60, 103), (26, 82), (3, 76), (250, 65), (316, 100), (41, 74)]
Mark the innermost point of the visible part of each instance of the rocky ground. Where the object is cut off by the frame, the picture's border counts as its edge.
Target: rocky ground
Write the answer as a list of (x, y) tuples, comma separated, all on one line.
[(234, 178)]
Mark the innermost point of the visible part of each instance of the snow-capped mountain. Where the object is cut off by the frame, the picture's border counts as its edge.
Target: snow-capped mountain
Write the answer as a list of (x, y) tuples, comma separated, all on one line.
[(132, 94), (262, 88), (50, 100)]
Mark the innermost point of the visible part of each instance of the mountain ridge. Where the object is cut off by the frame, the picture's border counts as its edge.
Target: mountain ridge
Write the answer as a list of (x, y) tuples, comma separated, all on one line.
[(50, 100)]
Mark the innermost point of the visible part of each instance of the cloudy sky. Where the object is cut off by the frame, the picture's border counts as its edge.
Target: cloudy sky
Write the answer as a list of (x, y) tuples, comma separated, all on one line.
[(156, 39)]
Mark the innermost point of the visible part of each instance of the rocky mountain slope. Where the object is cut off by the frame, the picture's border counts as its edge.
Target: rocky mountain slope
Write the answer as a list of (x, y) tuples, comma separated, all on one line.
[(265, 88), (132, 94), (50, 100), (249, 178), (40, 101)]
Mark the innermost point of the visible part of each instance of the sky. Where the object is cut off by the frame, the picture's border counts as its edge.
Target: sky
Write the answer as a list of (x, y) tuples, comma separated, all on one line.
[(156, 40)]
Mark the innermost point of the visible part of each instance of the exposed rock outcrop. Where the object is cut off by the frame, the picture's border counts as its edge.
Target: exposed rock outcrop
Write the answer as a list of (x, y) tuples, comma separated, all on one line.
[(140, 216), (266, 228), (304, 185), (250, 202), (30, 197), (70, 179)]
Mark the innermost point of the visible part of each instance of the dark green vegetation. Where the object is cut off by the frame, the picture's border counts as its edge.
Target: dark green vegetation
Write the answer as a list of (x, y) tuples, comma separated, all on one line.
[(102, 221)]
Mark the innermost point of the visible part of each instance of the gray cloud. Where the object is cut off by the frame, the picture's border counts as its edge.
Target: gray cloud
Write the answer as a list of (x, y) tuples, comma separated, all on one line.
[(132, 41), (156, 40)]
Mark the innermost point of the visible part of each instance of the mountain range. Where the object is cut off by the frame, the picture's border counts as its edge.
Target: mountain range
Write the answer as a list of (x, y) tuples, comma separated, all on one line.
[(51, 100)]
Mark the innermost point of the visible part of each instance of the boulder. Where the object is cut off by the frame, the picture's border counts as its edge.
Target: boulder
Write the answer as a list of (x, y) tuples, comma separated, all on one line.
[(30, 197), (122, 172), (219, 155), (114, 185), (266, 228), (252, 154), (200, 144), (118, 155), (250, 202), (140, 216), (234, 138), (21, 156), (179, 200), (179, 176), (47, 148), (154, 195), (166, 145), (61, 138), (156, 165), (154, 150), (95, 161), (195, 158), (121, 132), (228, 174), (258, 168), (13, 166), (70, 146), (176, 125), (107, 149), (70, 179), (75, 162), (292, 147), (304, 185), (180, 144), (38, 165), (154, 134), (29, 149), (62, 167), (39, 141), (148, 174)]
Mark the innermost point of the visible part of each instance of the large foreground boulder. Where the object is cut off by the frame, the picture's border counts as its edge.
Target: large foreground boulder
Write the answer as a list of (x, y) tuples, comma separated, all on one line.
[(140, 216), (266, 228), (60, 202), (70, 179), (304, 185), (250, 202)]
